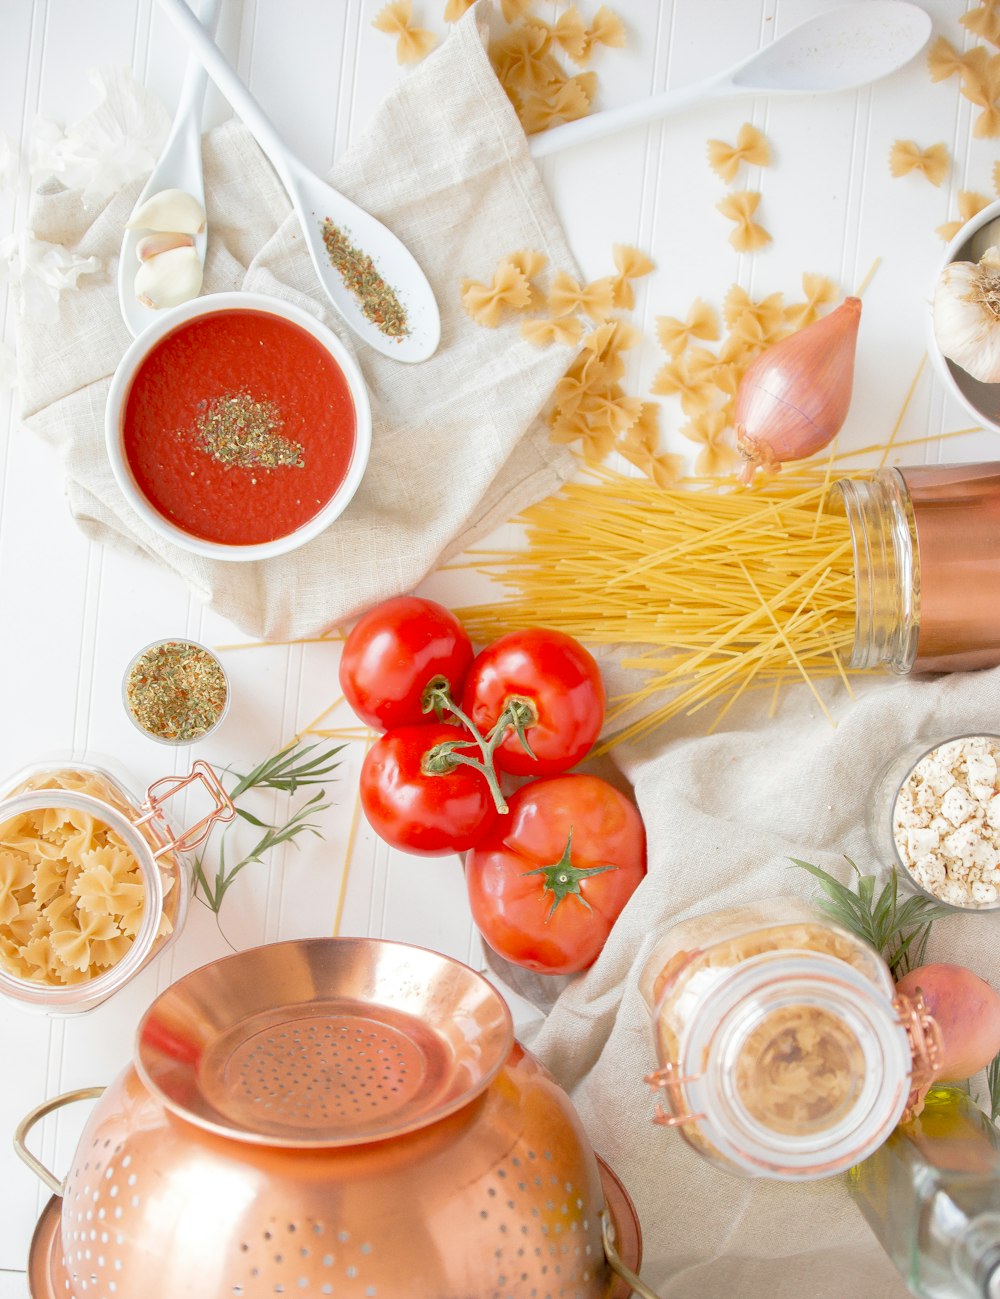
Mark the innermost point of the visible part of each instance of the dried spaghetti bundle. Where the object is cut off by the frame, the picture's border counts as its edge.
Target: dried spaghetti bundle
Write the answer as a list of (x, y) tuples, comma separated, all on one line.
[(722, 590)]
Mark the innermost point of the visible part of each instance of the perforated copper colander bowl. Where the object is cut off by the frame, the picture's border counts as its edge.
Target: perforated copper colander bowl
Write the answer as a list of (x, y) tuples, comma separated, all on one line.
[(332, 1117)]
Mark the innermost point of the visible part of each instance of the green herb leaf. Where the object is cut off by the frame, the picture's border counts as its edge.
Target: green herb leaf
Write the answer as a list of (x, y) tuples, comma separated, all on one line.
[(290, 769), (993, 1082), (898, 931)]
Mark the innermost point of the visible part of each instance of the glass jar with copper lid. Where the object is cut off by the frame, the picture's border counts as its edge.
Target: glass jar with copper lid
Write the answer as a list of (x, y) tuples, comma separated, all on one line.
[(926, 543), (783, 1052), (94, 878)]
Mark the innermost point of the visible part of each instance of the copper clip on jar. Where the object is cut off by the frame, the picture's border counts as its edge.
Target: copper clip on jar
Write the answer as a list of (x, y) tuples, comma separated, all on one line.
[(927, 567), (142, 826), (783, 1050)]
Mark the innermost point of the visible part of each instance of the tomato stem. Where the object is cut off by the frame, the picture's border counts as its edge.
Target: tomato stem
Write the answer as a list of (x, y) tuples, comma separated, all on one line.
[(517, 712), (561, 878), (445, 757)]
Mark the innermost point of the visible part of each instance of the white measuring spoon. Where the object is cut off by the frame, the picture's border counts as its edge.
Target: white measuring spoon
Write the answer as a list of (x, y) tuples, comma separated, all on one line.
[(314, 201), (841, 49), (178, 167)]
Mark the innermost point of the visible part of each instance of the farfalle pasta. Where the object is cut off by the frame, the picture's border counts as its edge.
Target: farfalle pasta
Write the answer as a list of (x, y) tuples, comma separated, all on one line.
[(567, 295), (740, 207), (72, 896), (542, 333), (630, 264), (969, 203), (674, 334), (931, 163), (751, 147), (984, 22), (454, 9), (606, 28), (558, 102), (412, 43), (486, 303)]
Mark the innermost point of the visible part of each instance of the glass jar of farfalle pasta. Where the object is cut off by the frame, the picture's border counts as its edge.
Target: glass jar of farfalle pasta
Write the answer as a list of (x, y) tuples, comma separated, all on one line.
[(783, 1050), (94, 880)]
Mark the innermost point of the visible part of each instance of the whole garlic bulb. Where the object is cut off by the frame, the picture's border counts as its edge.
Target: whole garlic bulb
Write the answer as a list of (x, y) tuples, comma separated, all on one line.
[(967, 315)]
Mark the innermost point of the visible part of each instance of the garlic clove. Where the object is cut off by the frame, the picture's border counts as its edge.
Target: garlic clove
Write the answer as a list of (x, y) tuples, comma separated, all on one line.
[(967, 316), (169, 278), (170, 210), (161, 242)]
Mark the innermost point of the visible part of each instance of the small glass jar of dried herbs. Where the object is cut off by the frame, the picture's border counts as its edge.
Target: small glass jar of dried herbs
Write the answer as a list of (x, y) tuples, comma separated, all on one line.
[(176, 691)]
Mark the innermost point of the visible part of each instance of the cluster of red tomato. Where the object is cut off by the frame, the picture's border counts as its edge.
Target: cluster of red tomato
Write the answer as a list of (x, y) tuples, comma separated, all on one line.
[(549, 870)]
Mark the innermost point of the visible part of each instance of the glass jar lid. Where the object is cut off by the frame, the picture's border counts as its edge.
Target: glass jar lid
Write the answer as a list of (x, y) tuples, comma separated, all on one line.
[(796, 1066)]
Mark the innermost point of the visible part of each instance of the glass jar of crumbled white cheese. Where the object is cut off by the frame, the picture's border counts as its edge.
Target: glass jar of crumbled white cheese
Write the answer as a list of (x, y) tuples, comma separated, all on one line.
[(935, 812)]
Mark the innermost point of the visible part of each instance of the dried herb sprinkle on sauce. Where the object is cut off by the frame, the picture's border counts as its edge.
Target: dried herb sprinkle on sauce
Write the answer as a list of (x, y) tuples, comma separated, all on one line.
[(378, 302), (238, 431), (176, 691)]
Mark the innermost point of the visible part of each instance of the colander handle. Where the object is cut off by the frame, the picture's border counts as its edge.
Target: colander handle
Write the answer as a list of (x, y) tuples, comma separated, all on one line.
[(36, 1116), (616, 1263)]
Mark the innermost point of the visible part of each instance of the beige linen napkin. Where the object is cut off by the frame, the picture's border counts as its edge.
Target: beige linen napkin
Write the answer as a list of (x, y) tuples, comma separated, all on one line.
[(456, 445), (724, 813)]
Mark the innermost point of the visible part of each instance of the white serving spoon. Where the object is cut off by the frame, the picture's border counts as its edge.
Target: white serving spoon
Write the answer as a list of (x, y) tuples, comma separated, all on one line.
[(178, 167), (841, 49), (314, 201)]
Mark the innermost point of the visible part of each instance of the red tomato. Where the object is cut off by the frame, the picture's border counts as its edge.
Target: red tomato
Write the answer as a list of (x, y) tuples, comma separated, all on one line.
[(391, 654), (559, 686), (415, 809), (552, 876)]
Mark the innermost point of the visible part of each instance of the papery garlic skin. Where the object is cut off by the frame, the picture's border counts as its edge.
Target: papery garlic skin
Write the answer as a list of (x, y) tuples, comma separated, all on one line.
[(967, 315), (170, 210), (161, 242), (169, 278)]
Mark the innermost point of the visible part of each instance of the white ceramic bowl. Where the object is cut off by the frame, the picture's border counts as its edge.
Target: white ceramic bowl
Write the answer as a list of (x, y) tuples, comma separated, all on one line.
[(981, 400), (118, 394)]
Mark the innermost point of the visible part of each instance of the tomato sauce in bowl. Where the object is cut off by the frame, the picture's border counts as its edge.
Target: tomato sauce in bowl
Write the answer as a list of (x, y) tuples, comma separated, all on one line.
[(238, 426), (189, 406)]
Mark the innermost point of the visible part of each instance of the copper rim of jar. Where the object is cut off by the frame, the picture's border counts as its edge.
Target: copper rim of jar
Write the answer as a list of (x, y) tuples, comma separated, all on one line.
[(90, 992), (724, 1023)]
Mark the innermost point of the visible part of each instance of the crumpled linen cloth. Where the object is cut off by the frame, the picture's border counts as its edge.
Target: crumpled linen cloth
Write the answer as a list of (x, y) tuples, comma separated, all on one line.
[(724, 813), (457, 447)]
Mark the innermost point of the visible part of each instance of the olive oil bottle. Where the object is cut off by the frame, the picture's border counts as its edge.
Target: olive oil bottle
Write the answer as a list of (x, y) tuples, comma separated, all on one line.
[(931, 1195)]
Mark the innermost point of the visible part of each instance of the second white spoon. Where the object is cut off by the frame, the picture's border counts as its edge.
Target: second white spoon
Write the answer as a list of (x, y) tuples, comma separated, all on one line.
[(841, 49)]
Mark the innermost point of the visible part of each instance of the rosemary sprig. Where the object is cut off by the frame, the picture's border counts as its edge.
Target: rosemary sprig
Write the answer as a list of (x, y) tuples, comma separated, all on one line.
[(899, 931), (288, 770), (993, 1083)]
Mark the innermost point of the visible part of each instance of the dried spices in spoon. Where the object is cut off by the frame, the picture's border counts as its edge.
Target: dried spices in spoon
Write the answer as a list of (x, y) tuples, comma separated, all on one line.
[(378, 302), (176, 691)]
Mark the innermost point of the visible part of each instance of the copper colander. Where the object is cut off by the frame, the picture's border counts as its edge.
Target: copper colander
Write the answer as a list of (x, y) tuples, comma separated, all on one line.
[(333, 1117)]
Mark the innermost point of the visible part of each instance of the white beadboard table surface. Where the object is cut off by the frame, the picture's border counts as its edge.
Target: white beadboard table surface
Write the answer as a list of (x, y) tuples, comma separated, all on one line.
[(72, 613)]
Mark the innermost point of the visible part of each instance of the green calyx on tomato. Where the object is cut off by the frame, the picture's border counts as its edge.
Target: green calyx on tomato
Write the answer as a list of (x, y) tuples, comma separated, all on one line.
[(562, 878)]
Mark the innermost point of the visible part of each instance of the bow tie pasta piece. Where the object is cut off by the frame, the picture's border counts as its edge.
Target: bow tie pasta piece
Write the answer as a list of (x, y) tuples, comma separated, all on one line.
[(674, 335), (485, 303), (984, 22), (630, 264), (931, 163), (751, 147), (969, 203), (454, 9), (544, 332), (740, 207), (566, 296), (412, 43)]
